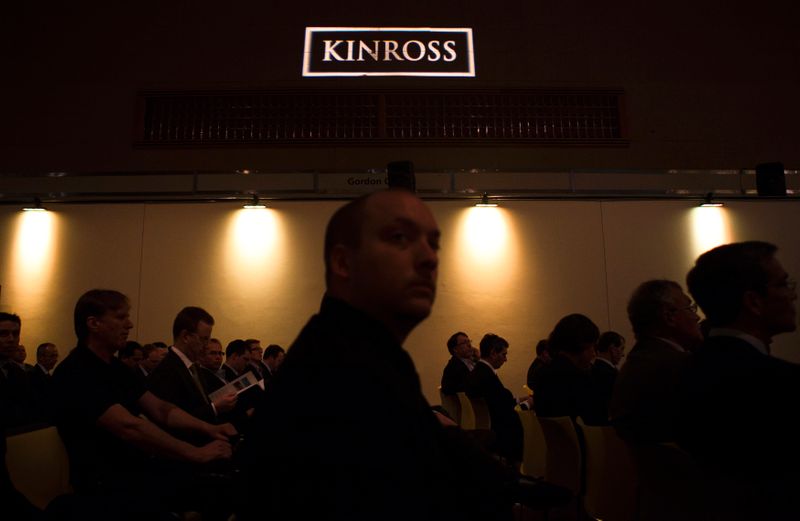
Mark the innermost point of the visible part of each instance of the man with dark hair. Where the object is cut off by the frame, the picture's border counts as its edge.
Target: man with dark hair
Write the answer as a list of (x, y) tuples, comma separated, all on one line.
[(152, 355), (603, 374), (256, 354), (454, 376), (109, 445), (738, 413), (542, 359), (15, 387), (645, 397), (483, 383), (40, 378), (237, 359), (131, 355), (273, 358), (564, 386), (177, 379), (376, 449), (19, 357)]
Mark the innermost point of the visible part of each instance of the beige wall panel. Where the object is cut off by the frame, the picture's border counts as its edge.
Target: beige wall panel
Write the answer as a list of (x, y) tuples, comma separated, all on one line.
[(512, 270), (48, 259), (258, 272)]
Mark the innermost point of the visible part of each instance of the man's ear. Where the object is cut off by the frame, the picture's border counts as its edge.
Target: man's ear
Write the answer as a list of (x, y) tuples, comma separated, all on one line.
[(341, 264), (91, 323), (753, 302)]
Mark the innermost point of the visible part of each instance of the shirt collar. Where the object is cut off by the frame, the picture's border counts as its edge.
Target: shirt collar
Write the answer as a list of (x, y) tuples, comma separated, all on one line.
[(232, 369), (487, 365), (601, 359), (188, 363), (468, 362), (43, 368), (672, 344), (741, 335)]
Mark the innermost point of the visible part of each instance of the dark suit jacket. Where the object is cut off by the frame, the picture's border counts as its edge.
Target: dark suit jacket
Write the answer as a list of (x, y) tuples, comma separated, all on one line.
[(739, 411), (172, 381), (645, 400), (41, 385), (454, 377), (601, 384), (483, 383), (371, 448), (563, 390)]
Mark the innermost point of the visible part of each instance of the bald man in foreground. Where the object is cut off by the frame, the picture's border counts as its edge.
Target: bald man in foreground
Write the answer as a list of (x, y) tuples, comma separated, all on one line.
[(345, 432)]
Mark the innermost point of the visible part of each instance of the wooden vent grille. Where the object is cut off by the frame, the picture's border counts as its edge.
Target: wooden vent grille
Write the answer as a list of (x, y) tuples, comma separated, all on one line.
[(580, 118)]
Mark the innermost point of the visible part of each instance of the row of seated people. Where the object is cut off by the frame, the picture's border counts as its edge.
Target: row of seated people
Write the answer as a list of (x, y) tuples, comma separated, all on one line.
[(711, 388), (189, 388), (370, 447)]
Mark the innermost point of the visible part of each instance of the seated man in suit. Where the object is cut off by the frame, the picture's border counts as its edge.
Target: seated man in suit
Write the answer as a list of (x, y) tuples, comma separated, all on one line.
[(273, 358), (211, 363), (40, 378), (237, 360), (610, 350), (484, 383), (23, 408), (176, 379), (111, 448), (542, 360), (644, 402), (454, 377), (131, 355), (738, 415), (256, 355)]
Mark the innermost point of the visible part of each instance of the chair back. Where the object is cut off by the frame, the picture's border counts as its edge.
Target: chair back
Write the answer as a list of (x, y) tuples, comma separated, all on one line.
[(467, 415), (481, 411), (38, 465), (563, 460), (451, 404), (610, 475), (534, 451)]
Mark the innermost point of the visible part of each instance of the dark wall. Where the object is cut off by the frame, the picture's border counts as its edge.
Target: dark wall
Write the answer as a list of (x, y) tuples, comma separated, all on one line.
[(707, 84)]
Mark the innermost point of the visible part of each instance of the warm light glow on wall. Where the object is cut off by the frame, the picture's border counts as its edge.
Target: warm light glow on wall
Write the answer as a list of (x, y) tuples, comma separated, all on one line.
[(710, 228), (486, 248), (256, 245), (34, 254)]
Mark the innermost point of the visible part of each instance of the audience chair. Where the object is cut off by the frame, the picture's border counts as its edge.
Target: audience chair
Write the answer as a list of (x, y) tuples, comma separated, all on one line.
[(38, 465), (481, 411), (451, 404), (611, 478), (534, 452), (563, 457), (467, 415)]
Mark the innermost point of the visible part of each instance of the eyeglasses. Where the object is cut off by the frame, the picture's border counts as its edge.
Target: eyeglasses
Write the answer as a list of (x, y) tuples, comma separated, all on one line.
[(463, 342)]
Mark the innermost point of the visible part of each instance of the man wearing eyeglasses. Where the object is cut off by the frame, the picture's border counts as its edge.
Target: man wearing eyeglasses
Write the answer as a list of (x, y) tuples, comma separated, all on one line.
[(644, 401), (739, 417), (454, 377), (177, 379)]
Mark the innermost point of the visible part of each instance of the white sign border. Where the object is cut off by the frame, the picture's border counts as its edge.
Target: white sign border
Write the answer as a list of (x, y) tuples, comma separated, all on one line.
[(467, 30)]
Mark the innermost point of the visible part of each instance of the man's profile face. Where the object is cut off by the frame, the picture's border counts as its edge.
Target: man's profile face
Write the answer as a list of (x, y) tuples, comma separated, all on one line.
[(239, 363), (617, 352), (9, 339), (256, 352), (778, 311), (112, 328), (684, 319), (196, 342), (154, 358), (498, 358), (212, 359), (393, 271)]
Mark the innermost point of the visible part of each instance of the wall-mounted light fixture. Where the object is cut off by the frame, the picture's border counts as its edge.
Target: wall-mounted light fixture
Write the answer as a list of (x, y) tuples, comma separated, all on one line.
[(709, 203), (485, 203), (37, 206), (255, 204)]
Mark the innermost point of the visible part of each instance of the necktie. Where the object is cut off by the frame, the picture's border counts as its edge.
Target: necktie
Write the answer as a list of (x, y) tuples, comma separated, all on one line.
[(196, 378)]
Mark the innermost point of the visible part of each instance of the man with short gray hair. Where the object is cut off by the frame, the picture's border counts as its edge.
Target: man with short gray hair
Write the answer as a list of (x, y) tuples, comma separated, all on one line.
[(644, 401)]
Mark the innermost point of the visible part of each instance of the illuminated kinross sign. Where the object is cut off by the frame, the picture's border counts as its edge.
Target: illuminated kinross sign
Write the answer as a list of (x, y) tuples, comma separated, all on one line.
[(388, 51)]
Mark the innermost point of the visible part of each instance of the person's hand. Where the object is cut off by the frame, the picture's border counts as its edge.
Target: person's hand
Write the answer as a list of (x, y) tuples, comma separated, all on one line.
[(222, 432), (444, 420), (213, 451), (226, 403)]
